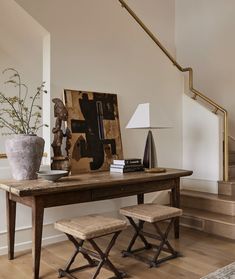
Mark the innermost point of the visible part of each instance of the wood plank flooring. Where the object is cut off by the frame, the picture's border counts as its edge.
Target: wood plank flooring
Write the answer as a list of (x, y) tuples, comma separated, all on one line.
[(202, 254)]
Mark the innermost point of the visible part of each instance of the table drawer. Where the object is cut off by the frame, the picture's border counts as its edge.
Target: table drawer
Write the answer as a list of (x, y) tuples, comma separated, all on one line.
[(67, 198), (118, 191)]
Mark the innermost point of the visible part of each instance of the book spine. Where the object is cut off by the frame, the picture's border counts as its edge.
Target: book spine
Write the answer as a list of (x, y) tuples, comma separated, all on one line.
[(133, 169), (119, 170), (132, 162), (127, 162), (126, 166)]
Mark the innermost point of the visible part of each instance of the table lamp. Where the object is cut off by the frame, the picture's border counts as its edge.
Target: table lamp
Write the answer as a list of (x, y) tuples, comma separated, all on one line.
[(143, 119)]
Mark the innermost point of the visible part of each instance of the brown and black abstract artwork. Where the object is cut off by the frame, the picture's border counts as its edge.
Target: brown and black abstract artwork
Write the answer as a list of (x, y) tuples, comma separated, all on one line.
[(94, 122)]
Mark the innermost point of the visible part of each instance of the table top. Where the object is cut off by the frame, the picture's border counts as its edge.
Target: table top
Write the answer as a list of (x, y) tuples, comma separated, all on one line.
[(85, 181)]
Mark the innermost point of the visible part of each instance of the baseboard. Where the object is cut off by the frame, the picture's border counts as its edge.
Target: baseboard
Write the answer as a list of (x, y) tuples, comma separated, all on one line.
[(24, 238), (200, 185)]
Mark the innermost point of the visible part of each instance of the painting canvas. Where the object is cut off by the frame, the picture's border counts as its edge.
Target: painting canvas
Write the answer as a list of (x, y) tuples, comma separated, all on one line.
[(94, 122)]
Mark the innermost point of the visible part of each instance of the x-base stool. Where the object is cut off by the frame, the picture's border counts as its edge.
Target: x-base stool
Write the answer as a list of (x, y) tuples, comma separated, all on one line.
[(154, 214), (88, 228)]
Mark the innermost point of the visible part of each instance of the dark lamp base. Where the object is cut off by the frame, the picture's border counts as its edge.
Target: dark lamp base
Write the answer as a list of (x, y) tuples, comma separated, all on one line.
[(150, 156)]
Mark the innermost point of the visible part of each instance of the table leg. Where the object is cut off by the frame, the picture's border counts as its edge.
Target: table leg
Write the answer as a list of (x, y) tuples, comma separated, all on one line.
[(11, 220), (37, 223), (140, 198), (175, 201)]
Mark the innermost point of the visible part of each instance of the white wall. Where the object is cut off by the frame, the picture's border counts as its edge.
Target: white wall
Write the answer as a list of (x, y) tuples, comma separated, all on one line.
[(202, 146), (205, 40), (21, 47), (99, 47), (95, 45)]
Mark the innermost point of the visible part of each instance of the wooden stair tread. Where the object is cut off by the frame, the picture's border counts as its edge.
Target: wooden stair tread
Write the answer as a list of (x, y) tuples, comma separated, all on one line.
[(207, 215), (210, 196), (211, 213)]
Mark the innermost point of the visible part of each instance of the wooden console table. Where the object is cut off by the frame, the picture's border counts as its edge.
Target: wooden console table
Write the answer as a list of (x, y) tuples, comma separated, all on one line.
[(41, 194)]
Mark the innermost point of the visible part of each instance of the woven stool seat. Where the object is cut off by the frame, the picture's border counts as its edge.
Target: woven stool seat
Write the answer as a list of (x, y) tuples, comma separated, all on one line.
[(151, 212), (90, 226)]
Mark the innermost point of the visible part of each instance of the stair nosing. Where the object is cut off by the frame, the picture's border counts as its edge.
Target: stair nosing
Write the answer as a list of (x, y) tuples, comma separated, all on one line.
[(218, 215), (216, 197)]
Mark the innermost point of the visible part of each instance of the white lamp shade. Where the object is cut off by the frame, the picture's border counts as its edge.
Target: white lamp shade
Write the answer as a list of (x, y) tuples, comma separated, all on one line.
[(144, 118)]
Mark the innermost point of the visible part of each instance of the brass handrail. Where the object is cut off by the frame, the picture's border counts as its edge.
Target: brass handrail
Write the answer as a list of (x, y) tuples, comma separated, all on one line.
[(192, 89)]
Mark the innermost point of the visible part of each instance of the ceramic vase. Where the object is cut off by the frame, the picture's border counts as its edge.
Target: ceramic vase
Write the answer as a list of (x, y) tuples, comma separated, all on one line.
[(24, 153)]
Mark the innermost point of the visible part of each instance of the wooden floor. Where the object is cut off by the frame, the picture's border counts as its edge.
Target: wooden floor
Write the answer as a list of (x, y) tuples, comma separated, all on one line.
[(202, 254)]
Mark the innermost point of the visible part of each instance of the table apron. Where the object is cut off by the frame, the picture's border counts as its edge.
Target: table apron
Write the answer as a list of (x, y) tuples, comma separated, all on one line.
[(120, 191), (101, 193)]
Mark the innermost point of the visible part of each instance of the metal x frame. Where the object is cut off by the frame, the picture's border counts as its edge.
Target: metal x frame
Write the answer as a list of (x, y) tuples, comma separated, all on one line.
[(101, 258), (163, 246)]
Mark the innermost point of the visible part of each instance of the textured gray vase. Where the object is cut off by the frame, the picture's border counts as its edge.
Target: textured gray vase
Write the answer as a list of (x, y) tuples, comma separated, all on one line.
[(24, 153)]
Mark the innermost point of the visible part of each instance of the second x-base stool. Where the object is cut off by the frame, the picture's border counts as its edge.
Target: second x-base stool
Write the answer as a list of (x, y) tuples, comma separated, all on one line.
[(89, 228), (151, 213)]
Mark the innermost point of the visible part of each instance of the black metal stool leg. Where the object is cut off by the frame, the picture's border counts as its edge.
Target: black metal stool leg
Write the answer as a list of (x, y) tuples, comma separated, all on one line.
[(138, 233), (78, 246), (163, 246), (99, 254), (71, 261), (164, 242), (164, 236), (140, 229), (62, 273), (101, 263), (104, 257)]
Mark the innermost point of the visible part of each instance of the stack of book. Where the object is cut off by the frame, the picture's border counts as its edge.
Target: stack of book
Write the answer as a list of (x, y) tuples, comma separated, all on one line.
[(126, 165)]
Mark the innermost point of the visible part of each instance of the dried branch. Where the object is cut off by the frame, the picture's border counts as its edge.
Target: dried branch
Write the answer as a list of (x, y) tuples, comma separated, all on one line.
[(26, 120)]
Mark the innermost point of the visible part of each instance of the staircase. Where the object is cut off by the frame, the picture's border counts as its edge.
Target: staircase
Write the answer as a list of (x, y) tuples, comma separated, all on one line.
[(231, 165), (211, 213)]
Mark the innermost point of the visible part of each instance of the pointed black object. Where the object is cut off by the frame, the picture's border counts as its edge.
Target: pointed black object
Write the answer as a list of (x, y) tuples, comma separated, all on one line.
[(150, 155)]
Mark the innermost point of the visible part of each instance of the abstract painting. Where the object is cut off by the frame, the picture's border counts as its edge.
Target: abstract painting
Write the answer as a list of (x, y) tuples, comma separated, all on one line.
[(94, 122)]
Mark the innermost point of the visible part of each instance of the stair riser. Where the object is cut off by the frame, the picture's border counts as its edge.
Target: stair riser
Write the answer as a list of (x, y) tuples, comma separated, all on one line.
[(192, 222), (232, 158), (231, 172), (216, 206), (208, 226), (226, 188), (223, 230)]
